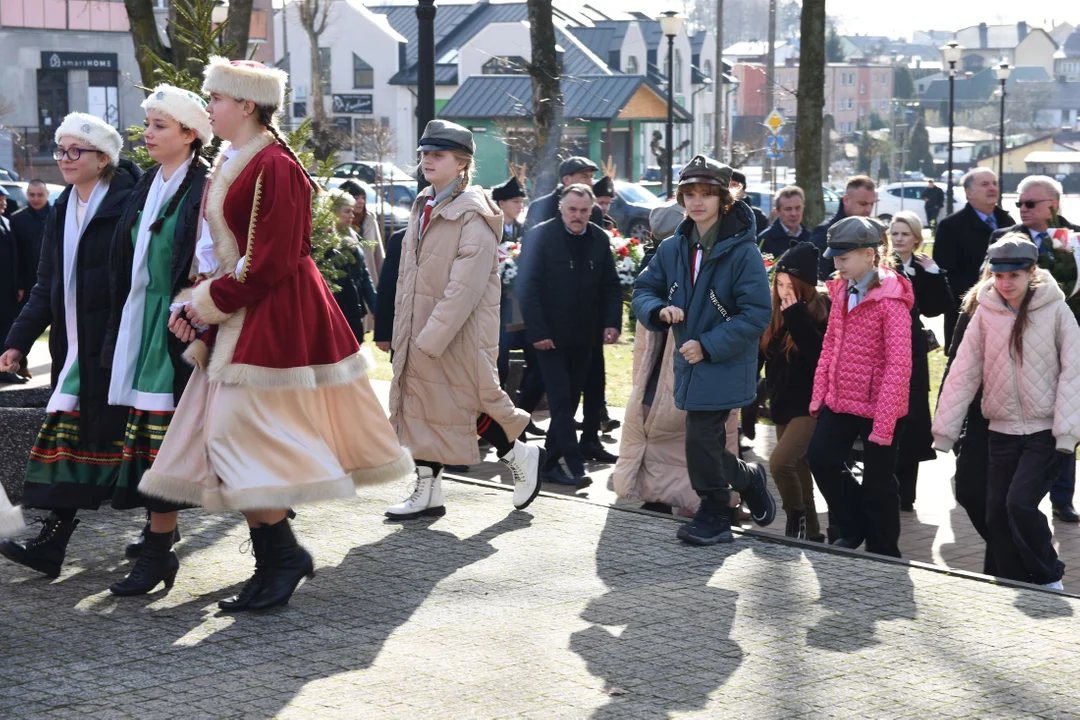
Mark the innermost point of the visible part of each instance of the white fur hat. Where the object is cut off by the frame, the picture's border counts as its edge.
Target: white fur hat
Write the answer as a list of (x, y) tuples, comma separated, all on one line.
[(93, 131), (246, 80), (183, 106)]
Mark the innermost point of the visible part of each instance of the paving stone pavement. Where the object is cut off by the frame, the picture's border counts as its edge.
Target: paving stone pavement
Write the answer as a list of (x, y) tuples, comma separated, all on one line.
[(566, 610)]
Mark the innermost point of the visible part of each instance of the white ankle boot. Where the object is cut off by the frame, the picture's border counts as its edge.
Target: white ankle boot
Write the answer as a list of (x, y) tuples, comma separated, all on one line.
[(427, 498), (524, 462)]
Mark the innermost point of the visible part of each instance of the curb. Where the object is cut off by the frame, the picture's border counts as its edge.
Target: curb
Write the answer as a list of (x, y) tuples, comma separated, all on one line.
[(792, 542)]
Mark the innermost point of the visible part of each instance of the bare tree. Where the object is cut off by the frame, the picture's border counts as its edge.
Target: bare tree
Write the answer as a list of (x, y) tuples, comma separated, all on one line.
[(314, 14), (238, 29), (546, 95), (808, 126), (377, 143)]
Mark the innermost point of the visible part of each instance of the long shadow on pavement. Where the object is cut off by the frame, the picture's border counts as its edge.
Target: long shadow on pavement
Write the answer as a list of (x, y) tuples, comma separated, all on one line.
[(661, 636)]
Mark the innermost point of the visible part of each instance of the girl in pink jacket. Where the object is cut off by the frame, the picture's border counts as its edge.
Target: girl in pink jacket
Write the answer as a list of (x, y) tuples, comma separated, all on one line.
[(861, 387)]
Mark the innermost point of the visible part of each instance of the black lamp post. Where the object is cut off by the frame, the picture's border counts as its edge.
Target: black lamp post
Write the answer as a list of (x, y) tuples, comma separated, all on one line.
[(1002, 71), (425, 70), (670, 24), (952, 51)]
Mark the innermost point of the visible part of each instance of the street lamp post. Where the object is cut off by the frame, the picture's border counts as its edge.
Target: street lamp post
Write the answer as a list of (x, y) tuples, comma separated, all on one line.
[(1002, 71), (952, 51), (670, 24), (425, 70)]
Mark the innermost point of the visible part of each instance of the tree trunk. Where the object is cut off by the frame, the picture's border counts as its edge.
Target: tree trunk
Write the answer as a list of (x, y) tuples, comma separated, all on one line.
[(181, 55), (148, 43), (718, 85), (811, 104), (546, 96), (239, 28)]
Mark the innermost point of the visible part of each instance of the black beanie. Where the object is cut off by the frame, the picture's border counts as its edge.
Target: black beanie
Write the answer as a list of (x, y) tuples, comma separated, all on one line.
[(604, 187), (800, 261), (507, 191)]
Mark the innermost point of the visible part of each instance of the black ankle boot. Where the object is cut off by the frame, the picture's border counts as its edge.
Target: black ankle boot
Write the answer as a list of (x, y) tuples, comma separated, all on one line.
[(157, 563), (133, 550), (255, 584), (45, 553), (289, 564)]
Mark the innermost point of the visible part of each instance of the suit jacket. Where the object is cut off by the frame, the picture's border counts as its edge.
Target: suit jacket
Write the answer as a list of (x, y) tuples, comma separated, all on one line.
[(819, 236), (28, 225), (960, 245), (774, 240)]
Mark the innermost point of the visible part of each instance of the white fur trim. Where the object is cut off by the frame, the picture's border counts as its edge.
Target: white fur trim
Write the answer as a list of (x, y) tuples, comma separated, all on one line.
[(203, 303), (183, 296), (183, 106), (197, 355), (400, 469), (11, 520), (93, 131), (246, 80), (174, 489), (310, 377)]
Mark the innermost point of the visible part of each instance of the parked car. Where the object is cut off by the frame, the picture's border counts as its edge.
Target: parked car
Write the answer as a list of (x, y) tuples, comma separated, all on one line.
[(17, 195), (652, 174), (8, 175), (368, 170), (832, 201), (396, 216), (956, 175), (631, 207), (404, 191), (908, 196)]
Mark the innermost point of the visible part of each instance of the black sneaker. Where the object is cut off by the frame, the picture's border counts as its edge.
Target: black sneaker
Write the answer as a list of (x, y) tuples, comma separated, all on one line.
[(796, 525), (594, 450), (711, 526), (758, 498)]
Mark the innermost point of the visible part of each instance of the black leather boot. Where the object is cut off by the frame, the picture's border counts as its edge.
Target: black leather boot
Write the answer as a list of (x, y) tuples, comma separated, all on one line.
[(289, 564), (45, 553), (242, 600), (133, 550), (157, 563)]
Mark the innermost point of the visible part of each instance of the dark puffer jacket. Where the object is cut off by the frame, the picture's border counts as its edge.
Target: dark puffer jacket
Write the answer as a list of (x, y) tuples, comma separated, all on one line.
[(98, 421)]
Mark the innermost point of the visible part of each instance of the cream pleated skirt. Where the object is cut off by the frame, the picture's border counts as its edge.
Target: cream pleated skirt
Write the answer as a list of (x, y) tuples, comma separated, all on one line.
[(236, 447)]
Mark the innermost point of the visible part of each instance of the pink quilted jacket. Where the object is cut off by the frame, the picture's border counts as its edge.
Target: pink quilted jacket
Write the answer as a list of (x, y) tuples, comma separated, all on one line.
[(865, 365)]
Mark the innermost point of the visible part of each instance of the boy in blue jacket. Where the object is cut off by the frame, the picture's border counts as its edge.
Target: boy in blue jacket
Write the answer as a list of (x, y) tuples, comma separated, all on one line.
[(708, 283)]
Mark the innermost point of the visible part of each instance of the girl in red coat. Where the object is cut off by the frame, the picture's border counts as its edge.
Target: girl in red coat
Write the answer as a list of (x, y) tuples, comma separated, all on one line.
[(269, 418), (861, 387)]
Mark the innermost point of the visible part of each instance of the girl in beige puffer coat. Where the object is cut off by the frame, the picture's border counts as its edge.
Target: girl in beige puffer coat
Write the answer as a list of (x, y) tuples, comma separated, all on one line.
[(1023, 347), (446, 389)]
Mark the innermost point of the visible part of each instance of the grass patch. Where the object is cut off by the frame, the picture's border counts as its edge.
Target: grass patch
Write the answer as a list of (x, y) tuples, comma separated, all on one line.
[(937, 360)]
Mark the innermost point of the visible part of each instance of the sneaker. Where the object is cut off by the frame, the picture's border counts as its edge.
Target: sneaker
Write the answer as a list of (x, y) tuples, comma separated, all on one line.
[(1054, 585), (758, 498), (796, 525), (711, 526)]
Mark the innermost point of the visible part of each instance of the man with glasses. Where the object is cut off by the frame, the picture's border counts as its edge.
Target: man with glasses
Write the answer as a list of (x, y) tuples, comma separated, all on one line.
[(1039, 205), (961, 239), (28, 225)]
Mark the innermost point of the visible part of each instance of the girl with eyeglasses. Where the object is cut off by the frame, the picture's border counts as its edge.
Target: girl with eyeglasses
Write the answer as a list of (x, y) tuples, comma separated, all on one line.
[(74, 463)]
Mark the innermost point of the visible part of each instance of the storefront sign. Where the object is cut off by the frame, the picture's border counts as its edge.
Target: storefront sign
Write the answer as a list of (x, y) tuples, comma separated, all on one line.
[(79, 61), (353, 104)]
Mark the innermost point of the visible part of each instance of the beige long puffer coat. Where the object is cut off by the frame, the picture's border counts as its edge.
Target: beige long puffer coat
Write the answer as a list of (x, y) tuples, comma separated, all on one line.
[(652, 452), (1043, 393), (446, 332)]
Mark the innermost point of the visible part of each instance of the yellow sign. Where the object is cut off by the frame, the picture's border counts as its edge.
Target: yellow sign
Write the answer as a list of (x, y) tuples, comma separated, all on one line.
[(775, 121)]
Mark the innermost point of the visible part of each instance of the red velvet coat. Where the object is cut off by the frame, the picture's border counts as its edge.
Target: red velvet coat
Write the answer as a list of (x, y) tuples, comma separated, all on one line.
[(277, 322)]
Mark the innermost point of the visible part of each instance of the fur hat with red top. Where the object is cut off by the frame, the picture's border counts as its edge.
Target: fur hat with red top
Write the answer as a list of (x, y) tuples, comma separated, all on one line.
[(246, 80)]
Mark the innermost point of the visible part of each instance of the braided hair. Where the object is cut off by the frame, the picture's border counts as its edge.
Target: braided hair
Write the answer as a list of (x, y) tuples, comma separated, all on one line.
[(266, 118), (178, 196)]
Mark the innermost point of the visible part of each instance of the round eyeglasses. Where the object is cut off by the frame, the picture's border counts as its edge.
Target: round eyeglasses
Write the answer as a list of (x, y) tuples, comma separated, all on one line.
[(72, 153)]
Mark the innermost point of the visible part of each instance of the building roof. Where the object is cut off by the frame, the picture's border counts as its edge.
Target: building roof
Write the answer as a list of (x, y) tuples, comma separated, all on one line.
[(580, 59), (980, 86), (601, 40), (1053, 157), (595, 97), (1071, 47), (697, 42), (961, 133), (998, 37)]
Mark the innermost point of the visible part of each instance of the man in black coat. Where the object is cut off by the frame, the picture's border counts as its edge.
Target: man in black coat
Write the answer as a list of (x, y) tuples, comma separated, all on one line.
[(12, 286), (29, 225), (572, 171), (787, 229), (962, 238), (860, 197), (933, 199), (572, 303)]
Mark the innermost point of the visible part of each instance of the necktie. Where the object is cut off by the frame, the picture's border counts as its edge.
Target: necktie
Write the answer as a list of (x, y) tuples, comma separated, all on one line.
[(1044, 243), (853, 297), (427, 215), (991, 221)]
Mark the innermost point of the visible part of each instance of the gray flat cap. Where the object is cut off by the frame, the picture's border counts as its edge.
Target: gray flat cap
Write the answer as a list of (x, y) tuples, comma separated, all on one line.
[(853, 233), (1012, 252), (664, 220), (575, 165), (445, 135)]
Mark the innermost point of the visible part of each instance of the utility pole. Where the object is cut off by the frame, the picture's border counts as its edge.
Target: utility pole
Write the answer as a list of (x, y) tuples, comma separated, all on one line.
[(718, 85), (770, 85), (425, 70)]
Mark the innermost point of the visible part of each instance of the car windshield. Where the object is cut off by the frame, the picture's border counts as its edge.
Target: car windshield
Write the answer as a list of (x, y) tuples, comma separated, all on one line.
[(636, 194)]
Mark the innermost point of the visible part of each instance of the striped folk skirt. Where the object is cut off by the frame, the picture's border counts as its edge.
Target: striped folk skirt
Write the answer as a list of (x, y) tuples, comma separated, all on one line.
[(142, 439), (65, 472)]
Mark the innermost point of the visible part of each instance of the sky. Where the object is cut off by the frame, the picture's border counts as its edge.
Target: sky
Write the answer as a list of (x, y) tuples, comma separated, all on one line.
[(866, 17)]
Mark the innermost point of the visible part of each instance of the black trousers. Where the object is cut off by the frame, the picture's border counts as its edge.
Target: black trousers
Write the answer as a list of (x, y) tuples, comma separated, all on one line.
[(972, 466), (870, 510), (594, 405), (531, 389), (487, 428), (1022, 469), (714, 471), (564, 371)]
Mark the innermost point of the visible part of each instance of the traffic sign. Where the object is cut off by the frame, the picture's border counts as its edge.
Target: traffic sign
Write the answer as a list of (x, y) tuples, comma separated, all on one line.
[(774, 155), (775, 143), (775, 121)]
